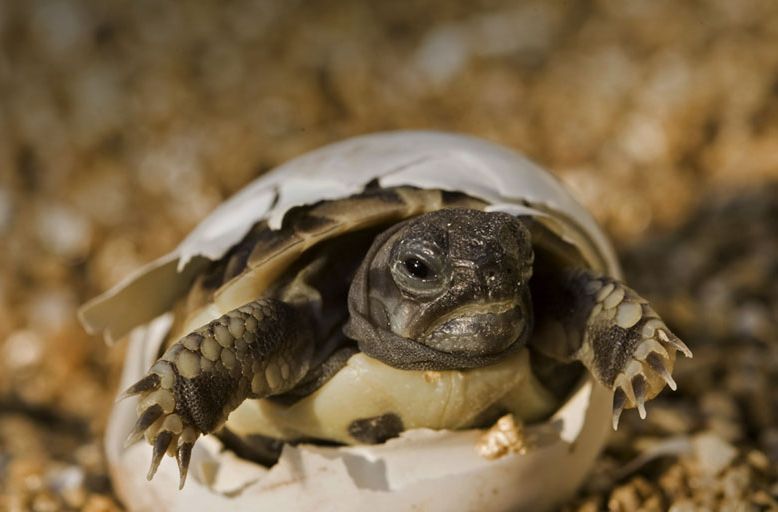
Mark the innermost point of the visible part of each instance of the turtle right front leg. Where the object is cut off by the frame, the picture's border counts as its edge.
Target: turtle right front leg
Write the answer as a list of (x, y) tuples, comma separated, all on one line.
[(261, 349), (614, 332)]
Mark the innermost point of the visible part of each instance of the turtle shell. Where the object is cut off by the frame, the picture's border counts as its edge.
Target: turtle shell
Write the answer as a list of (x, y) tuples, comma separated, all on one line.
[(391, 475), (265, 254)]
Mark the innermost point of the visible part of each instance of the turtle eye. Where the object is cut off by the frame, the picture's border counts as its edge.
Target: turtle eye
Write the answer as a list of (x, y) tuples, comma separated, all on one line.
[(418, 269)]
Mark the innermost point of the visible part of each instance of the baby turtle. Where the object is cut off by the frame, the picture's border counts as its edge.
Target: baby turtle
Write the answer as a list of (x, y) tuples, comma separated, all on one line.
[(417, 282)]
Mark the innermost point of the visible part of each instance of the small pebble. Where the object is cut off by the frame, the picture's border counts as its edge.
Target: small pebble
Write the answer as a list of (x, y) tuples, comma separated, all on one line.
[(712, 453)]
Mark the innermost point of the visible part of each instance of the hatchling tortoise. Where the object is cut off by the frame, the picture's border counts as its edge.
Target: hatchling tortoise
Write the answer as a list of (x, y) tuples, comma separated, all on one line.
[(441, 292)]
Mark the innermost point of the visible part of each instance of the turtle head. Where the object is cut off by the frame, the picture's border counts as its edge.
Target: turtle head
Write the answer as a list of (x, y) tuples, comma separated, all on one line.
[(448, 289)]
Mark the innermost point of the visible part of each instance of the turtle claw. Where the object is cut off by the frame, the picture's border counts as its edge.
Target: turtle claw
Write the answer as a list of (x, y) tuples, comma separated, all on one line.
[(146, 419), (149, 383), (162, 419), (639, 390), (619, 400), (161, 445), (183, 456), (674, 342), (656, 362), (650, 367)]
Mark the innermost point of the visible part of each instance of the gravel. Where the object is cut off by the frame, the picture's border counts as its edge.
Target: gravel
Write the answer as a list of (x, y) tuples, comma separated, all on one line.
[(122, 124)]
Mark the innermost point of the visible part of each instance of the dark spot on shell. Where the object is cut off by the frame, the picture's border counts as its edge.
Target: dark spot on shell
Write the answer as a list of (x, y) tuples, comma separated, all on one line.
[(293, 214), (385, 195), (376, 429), (269, 243), (253, 447), (313, 224), (454, 198), (235, 261), (372, 184)]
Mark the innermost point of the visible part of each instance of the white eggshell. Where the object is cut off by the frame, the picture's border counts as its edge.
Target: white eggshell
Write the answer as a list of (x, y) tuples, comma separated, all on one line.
[(423, 469)]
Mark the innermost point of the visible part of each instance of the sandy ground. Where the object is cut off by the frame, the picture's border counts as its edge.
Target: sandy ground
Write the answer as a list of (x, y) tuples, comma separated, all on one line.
[(122, 124)]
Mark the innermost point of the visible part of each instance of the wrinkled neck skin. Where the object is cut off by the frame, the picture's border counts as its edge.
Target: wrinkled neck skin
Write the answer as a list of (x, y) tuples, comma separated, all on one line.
[(475, 311)]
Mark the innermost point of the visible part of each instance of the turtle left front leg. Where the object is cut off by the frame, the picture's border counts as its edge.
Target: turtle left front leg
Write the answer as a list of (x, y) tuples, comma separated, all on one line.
[(614, 332), (261, 349)]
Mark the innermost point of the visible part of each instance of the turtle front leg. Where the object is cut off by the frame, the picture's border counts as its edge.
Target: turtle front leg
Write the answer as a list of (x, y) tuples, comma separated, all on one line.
[(261, 349), (614, 332)]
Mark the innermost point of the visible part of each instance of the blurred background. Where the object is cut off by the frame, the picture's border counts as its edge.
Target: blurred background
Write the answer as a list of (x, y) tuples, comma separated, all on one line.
[(124, 123)]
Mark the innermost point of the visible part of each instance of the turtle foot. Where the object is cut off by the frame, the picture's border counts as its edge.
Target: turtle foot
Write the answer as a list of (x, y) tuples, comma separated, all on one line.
[(626, 345), (201, 378), (649, 369), (162, 420)]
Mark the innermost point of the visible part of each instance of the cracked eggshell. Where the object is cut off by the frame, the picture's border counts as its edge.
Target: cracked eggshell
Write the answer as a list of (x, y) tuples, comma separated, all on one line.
[(425, 469)]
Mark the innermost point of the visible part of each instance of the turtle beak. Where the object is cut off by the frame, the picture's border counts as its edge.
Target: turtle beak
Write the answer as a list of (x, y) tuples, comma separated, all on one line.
[(478, 329)]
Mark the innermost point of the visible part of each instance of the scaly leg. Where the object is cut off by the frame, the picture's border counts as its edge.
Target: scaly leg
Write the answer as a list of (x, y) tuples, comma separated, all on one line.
[(614, 332), (261, 349)]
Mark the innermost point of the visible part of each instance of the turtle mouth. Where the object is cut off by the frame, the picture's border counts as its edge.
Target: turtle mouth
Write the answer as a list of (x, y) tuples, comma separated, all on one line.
[(470, 336), (477, 328)]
